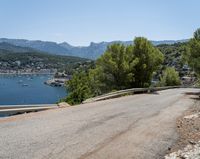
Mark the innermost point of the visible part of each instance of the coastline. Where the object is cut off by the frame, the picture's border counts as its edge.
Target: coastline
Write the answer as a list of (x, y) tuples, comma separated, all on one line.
[(25, 73), (28, 72)]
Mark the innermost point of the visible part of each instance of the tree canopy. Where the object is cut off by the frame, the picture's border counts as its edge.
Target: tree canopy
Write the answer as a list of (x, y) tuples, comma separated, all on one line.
[(120, 67), (149, 59), (194, 52), (197, 34), (115, 65)]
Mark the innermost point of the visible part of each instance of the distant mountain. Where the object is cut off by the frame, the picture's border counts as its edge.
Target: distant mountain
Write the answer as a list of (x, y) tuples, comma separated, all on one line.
[(14, 48), (50, 47), (93, 51)]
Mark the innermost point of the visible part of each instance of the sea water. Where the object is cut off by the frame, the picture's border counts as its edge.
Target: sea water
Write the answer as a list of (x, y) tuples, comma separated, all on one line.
[(28, 89)]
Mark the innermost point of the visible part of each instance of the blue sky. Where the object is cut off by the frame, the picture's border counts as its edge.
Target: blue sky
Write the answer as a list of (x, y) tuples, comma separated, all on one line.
[(79, 22)]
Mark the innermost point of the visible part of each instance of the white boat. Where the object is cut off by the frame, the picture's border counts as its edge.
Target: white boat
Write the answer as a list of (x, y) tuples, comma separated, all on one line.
[(24, 85)]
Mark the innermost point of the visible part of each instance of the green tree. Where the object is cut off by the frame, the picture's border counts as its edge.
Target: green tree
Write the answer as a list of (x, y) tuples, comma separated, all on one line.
[(149, 57), (197, 34), (192, 54), (83, 85), (120, 67), (115, 65), (170, 77), (79, 88)]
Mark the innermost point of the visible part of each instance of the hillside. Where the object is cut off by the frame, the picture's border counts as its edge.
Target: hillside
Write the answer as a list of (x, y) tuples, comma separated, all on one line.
[(15, 49), (19, 58), (32, 58), (173, 54), (93, 51)]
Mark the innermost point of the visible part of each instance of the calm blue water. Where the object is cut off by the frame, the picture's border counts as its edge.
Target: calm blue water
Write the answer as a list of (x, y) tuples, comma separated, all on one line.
[(28, 89)]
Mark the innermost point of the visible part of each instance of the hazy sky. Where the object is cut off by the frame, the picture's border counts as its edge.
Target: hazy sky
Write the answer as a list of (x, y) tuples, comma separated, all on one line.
[(79, 22)]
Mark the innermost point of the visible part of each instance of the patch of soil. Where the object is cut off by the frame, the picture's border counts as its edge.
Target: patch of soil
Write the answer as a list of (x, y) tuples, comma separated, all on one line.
[(188, 128)]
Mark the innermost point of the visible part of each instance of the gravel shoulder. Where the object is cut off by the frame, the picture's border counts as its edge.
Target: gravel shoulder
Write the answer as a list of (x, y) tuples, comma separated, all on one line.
[(188, 127)]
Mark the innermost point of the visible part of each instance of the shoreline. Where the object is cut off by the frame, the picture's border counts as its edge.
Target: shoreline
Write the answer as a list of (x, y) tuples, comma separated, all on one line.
[(28, 72), (32, 73)]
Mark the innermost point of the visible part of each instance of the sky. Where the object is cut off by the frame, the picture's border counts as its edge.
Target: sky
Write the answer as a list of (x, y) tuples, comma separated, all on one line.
[(80, 22)]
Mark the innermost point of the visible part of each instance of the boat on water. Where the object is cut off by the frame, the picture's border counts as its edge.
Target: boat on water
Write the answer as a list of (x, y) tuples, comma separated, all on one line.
[(24, 85), (20, 81)]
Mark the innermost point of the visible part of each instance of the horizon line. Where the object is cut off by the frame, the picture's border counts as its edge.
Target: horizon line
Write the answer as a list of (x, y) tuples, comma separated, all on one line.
[(96, 42)]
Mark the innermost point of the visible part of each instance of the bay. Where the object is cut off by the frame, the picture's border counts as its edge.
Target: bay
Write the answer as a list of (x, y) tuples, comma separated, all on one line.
[(28, 89)]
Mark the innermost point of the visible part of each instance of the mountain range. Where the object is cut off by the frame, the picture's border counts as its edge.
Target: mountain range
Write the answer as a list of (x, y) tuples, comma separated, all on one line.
[(93, 51)]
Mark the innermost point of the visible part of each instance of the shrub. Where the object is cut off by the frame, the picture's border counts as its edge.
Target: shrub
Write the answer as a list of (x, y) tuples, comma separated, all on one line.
[(170, 77)]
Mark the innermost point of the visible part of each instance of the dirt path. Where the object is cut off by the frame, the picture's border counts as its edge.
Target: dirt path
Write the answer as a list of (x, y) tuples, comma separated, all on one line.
[(139, 126)]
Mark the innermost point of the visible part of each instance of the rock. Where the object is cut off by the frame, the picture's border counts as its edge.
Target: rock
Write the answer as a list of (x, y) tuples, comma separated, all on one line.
[(192, 116), (189, 152), (192, 142), (63, 105)]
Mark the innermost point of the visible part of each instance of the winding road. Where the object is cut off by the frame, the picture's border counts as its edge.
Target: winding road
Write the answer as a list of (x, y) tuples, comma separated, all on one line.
[(140, 126)]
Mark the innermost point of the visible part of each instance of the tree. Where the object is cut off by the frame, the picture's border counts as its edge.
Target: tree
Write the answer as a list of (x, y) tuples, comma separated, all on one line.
[(170, 77), (83, 85), (120, 67), (197, 34), (194, 52), (149, 57), (115, 65), (79, 88)]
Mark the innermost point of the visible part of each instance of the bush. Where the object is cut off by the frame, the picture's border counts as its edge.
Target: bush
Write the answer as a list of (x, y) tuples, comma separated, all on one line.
[(170, 77), (79, 88)]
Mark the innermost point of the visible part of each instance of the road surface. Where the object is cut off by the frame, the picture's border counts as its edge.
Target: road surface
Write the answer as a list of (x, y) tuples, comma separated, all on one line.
[(131, 127)]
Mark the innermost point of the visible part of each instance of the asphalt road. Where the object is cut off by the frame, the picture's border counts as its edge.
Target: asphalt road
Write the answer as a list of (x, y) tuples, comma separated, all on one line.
[(131, 127)]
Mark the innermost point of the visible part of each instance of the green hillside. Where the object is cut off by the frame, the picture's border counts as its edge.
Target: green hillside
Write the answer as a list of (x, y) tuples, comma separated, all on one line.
[(173, 54), (19, 58)]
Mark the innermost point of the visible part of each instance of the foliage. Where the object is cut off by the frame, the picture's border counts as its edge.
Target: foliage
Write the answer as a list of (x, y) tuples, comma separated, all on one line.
[(115, 65), (120, 67), (149, 59), (79, 67), (197, 34), (83, 85), (129, 66), (193, 53), (79, 88), (194, 58), (170, 77), (173, 54)]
